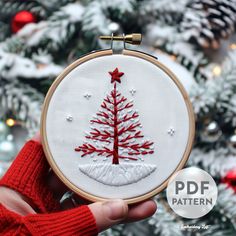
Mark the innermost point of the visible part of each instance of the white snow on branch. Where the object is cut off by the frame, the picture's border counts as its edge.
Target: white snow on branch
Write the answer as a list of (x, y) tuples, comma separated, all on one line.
[(162, 9), (95, 17), (216, 162), (121, 5), (217, 93), (74, 11), (56, 28), (159, 34), (25, 102), (13, 66), (226, 202), (164, 222)]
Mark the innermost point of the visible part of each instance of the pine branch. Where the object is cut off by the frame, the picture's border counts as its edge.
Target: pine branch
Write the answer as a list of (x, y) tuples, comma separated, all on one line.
[(9, 8), (224, 205), (166, 12), (217, 95), (215, 162), (117, 230), (4, 30), (211, 224), (170, 40), (24, 102), (14, 66), (42, 9), (96, 15), (50, 35), (163, 222)]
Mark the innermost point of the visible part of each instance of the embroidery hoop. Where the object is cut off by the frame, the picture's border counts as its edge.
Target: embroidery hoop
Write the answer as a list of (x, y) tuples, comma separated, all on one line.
[(102, 53)]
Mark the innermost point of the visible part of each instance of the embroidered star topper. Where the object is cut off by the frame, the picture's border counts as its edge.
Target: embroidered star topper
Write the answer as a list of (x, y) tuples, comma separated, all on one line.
[(115, 75)]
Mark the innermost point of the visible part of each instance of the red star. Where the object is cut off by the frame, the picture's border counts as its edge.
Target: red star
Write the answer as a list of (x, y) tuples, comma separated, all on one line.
[(115, 75)]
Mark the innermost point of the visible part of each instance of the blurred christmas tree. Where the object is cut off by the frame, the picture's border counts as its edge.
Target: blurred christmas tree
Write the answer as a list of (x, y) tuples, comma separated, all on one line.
[(39, 38)]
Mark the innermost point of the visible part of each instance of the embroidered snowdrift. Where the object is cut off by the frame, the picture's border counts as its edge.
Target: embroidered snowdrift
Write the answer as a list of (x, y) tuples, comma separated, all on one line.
[(117, 175)]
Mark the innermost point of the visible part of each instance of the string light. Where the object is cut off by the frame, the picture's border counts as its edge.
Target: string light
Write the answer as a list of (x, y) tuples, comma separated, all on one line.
[(216, 70), (10, 122), (173, 57), (233, 46)]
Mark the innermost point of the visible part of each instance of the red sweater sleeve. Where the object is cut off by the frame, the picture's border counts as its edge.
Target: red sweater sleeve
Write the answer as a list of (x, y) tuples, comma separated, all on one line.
[(28, 176), (78, 221)]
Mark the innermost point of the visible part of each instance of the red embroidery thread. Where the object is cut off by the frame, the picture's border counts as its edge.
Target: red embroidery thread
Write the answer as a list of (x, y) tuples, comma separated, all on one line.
[(121, 124)]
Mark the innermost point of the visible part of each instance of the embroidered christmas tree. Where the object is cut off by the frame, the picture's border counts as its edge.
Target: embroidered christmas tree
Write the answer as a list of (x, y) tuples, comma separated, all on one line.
[(116, 134)]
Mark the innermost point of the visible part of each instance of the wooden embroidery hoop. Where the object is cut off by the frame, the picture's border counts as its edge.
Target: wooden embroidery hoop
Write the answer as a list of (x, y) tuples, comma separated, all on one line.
[(84, 59)]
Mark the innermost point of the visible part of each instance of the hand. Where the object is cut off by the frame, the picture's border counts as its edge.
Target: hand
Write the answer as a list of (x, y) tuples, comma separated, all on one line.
[(106, 213)]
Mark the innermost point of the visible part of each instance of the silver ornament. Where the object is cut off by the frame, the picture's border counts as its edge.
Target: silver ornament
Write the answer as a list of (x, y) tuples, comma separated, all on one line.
[(4, 130), (211, 132), (114, 27), (7, 150), (232, 144)]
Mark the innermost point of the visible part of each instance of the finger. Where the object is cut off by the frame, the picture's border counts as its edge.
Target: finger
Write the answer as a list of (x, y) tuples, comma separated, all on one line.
[(109, 213), (16, 202), (37, 137), (141, 211)]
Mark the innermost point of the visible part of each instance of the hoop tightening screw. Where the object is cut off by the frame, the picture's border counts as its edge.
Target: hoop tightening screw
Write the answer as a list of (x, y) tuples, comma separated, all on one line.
[(135, 39)]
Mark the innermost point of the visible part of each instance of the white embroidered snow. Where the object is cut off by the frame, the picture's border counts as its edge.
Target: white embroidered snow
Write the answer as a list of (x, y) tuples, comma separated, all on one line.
[(117, 175)]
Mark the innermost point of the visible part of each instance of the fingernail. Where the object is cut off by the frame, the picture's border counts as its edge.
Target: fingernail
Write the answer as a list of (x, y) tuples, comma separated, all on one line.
[(115, 209)]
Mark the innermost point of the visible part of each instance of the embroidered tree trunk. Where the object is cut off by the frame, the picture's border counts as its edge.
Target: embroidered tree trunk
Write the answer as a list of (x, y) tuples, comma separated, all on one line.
[(116, 140), (118, 135)]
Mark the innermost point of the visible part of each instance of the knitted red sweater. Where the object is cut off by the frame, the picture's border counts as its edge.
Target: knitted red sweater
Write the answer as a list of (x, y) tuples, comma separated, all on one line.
[(27, 176)]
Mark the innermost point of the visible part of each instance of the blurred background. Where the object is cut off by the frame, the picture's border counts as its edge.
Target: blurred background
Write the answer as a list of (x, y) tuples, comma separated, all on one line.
[(195, 38)]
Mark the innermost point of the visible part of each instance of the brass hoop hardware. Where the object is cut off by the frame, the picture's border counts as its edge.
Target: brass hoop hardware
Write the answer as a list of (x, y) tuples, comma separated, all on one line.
[(134, 38)]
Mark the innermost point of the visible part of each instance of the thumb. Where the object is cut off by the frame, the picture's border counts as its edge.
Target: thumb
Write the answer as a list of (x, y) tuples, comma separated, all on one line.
[(109, 213)]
